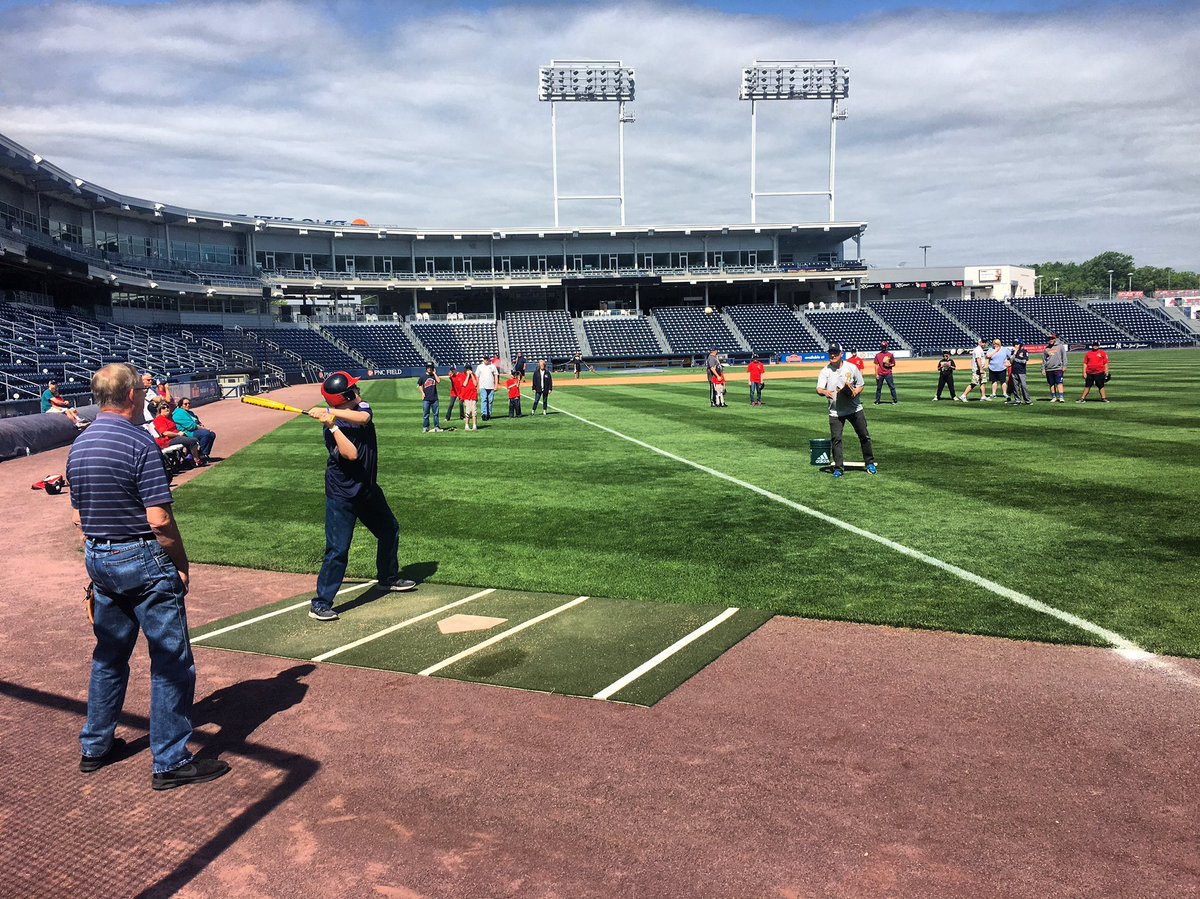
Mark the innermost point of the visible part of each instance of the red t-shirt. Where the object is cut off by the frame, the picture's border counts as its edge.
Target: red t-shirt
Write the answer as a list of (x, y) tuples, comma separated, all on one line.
[(514, 388), (857, 362), (718, 379), (468, 389), (1094, 362), (755, 371), (456, 384), (884, 363), (162, 424)]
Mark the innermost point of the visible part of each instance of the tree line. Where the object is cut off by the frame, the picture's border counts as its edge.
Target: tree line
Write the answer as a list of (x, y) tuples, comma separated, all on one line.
[(1091, 277)]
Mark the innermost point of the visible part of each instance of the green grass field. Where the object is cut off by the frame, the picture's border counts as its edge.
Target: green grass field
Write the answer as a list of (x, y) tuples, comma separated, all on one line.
[(1086, 508)]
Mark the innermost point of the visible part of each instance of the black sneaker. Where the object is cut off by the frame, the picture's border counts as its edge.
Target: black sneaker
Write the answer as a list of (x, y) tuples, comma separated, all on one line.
[(90, 763), (197, 771), (398, 584), (323, 614)]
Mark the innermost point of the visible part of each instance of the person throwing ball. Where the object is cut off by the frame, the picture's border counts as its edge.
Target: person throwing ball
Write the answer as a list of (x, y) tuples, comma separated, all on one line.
[(842, 384), (352, 493)]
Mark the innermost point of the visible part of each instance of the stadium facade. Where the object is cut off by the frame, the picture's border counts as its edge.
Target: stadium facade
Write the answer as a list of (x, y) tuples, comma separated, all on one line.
[(162, 262)]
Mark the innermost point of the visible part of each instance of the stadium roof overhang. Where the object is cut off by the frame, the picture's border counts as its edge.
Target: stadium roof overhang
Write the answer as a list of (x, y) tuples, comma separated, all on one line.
[(36, 174)]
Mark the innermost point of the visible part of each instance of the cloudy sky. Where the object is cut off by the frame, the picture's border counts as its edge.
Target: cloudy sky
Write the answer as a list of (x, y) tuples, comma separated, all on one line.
[(1006, 131)]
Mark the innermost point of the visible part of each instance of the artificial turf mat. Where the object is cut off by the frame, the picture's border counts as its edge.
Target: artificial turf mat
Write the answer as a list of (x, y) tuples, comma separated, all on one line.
[(578, 652)]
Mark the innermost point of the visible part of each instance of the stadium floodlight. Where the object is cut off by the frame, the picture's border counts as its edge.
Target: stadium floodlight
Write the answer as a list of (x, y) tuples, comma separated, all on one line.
[(809, 79), (584, 81)]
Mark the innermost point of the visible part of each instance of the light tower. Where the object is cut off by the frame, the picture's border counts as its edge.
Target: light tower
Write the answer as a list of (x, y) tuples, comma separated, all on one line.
[(809, 79), (581, 81)]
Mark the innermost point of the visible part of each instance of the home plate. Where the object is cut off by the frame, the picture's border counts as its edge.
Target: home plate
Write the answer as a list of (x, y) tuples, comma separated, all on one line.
[(459, 624)]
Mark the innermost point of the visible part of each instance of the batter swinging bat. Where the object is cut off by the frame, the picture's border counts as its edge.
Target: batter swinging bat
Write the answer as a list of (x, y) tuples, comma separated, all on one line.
[(271, 404)]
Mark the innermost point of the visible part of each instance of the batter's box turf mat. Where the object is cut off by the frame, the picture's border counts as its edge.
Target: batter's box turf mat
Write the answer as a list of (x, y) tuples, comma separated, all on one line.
[(575, 645)]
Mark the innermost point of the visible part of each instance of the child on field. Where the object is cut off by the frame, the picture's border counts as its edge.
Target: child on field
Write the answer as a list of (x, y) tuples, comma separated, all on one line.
[(514, 396), (718, 385), (468, 395)]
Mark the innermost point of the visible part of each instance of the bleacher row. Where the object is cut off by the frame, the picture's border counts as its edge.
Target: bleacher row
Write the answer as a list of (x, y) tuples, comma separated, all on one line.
[(38, 344)]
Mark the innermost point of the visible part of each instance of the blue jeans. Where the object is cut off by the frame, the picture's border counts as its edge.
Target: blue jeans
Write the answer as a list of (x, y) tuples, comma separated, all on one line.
[(206, 439), (755, 392), (371, 508), (137, 586), (879, 382), (486, 406), (428, 407)]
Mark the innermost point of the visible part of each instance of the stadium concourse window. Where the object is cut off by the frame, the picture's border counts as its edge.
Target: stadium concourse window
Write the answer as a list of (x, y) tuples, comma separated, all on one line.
[(201, 253)]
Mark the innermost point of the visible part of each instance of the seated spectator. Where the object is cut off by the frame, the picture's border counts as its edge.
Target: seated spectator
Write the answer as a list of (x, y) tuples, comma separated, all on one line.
[(154, 393), (168, 432), (52, 402), (190, 426)]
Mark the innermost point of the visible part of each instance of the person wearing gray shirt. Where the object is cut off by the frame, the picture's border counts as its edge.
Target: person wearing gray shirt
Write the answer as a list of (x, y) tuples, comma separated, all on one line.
[(711, 363), (1054, 367), (842, 384)]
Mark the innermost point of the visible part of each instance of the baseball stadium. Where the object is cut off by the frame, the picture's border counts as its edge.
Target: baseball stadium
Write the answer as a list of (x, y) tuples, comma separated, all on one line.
[(658, 644)]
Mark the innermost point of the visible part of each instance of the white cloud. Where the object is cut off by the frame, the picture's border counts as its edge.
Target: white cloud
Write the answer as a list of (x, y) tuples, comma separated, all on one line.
[(992, 138)]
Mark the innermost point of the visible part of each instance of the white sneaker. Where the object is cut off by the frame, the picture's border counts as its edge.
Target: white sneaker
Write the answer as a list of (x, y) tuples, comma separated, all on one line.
[(935, 399)]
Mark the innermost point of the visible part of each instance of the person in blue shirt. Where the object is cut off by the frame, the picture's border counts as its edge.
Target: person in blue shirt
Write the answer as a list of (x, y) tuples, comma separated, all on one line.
[(428, 385), (352, 494), (997, 362), (139, 570), (189, 425)]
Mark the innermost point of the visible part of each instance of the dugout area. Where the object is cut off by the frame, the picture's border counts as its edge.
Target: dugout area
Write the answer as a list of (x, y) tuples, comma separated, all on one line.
[(624, 651)]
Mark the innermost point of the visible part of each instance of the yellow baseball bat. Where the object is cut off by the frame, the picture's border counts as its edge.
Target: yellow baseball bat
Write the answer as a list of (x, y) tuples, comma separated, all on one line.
[(271, 404)]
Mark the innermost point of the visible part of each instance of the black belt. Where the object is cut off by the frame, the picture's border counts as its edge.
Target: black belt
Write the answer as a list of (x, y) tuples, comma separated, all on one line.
[(122, 541)]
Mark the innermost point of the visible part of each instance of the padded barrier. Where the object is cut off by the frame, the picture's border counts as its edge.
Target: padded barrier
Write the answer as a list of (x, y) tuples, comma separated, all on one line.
[(30, 434)]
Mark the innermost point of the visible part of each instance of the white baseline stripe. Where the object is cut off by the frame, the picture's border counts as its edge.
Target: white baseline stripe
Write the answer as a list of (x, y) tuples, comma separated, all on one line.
[(291, 608), (395, 627), (496, 639), (1126, 646), (664, 655)]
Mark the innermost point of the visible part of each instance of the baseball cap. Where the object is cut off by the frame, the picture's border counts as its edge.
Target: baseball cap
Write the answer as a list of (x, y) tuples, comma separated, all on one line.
[(883, 343), (835, 349), (981, 340), (1054, 337), (1095, 343)]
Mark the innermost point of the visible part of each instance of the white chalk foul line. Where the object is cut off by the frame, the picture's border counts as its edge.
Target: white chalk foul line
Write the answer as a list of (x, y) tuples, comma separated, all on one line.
[(501, 636), (650, 664), (291, 608), (395, 627), (1125, 646)]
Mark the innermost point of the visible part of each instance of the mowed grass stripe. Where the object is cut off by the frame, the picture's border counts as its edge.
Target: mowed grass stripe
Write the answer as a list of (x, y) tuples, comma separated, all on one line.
[(296, 636), (1081, 507), (1116, 640)]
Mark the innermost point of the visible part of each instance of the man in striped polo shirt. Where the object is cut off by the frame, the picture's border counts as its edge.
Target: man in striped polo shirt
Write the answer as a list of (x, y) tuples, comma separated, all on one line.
[(139, 570)]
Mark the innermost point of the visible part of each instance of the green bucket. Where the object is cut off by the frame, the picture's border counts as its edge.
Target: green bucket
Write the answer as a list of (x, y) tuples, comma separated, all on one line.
[(821, 451)]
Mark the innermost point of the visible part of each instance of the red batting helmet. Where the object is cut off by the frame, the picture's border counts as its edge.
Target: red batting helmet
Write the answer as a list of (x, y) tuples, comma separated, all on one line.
[(336, 388)]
